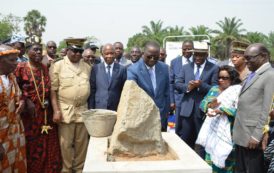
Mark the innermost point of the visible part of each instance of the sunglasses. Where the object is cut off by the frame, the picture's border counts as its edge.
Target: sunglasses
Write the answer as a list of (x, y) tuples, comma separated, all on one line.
[(52, 47), (223, 78), (150, 57), (77, 50)]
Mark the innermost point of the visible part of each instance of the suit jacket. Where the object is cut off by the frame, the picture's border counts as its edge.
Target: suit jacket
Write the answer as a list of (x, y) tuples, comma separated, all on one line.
[(175, 68), (139, 73), (105, 95), (191, 100), (254, 105)]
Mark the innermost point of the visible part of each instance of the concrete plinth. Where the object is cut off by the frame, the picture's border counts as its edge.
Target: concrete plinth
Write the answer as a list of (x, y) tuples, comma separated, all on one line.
[(188, 161)]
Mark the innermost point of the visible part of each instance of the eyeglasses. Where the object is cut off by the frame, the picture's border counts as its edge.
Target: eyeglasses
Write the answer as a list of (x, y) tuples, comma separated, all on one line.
[(224, 77), (248, 58), (52, 47), (77, 50)]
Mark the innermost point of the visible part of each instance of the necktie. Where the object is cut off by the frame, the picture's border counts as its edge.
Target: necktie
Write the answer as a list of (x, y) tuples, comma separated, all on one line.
[(197, 74), (108, 73), (152, 77), (250, 76), (187, 61)]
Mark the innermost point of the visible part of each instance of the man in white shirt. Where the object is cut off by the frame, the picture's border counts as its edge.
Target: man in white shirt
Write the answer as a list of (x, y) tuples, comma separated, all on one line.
[(106, 81)]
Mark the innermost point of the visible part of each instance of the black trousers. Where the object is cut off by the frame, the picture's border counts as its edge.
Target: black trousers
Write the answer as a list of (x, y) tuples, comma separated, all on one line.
[(248, 160)]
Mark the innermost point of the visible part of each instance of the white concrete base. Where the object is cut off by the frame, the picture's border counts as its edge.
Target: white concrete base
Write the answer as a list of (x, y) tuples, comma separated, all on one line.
[(188, 161)]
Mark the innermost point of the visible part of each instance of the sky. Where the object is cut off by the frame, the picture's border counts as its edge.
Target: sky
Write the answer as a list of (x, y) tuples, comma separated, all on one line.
[(117, 20)]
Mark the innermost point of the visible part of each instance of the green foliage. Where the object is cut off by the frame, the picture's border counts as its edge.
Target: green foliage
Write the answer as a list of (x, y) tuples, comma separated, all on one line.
[(35, 23), (256, 37), (62, 44), (9, 24), (5, 30)]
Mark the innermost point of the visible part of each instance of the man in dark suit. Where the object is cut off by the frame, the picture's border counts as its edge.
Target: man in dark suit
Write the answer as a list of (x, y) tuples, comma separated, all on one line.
[(254, 105), (106, 81), (175, 68), (152, 76), (194, 81)]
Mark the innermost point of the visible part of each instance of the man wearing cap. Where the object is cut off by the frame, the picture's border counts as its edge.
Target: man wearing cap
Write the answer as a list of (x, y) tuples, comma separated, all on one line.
[(106, 81), (175, 67), (91, 46), (70, 90), (51, 53), (90, 58), (18, 42), (194, 81), (238, 60), (12, 137), (119, 51)]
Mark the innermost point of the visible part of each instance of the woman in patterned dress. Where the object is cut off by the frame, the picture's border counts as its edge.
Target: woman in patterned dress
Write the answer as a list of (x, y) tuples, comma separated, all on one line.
[(12, 138), (227, 76)]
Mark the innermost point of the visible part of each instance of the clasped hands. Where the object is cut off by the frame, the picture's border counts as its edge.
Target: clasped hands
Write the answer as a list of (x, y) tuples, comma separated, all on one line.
[(212, 111), (193, 84)]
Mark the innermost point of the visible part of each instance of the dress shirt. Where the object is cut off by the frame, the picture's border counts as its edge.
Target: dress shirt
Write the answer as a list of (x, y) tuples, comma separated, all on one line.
[(184, 60), (111, 68)]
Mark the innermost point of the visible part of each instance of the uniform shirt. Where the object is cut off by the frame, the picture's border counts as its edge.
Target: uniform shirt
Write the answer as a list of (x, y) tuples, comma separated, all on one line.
[(71, 81)]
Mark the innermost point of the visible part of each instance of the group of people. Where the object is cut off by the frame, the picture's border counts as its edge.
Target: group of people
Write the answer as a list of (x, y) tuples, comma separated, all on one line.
[(42, 98)]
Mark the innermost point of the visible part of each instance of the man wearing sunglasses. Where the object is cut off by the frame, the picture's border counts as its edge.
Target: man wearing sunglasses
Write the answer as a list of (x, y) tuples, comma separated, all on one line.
[(70, 90), (152, 76), (51, 53), (194, 81), (254, 105)]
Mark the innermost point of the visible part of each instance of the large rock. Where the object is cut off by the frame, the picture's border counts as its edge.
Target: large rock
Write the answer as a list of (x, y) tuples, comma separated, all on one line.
[(137, 131)]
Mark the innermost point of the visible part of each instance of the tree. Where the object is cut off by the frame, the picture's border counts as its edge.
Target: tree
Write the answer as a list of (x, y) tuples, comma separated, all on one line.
[(9, 24), (155, 31), (230, 30), (35, 23), (200, 30), (137, 40), (256, 37), (5, 30), (270, 44)]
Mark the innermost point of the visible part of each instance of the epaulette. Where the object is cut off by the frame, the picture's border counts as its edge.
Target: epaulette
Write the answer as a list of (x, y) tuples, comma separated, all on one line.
[(57, 59)]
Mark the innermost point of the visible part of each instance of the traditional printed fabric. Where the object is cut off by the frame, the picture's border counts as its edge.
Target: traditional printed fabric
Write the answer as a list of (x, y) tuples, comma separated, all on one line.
[(269, 156), (43, 150), (215, 134), (11, 130)]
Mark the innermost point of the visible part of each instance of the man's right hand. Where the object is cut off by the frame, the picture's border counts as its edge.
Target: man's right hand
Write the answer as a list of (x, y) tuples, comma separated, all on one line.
[(57, 116), (2, 152)]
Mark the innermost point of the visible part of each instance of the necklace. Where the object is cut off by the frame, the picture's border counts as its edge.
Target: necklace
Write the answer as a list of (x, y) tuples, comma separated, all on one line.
[(45, 127)]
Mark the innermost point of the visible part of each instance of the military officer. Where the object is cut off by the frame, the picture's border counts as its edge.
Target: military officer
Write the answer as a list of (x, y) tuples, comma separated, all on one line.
[(70, 90)]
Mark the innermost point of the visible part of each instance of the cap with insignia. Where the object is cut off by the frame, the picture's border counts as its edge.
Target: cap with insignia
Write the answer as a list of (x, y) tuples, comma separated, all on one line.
[(201, 47), (238, 47), (91, 45), (32, 40), (75, 43)]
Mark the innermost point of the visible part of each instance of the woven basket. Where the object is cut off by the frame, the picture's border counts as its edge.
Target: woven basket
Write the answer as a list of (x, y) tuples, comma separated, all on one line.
[(99, 122)]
